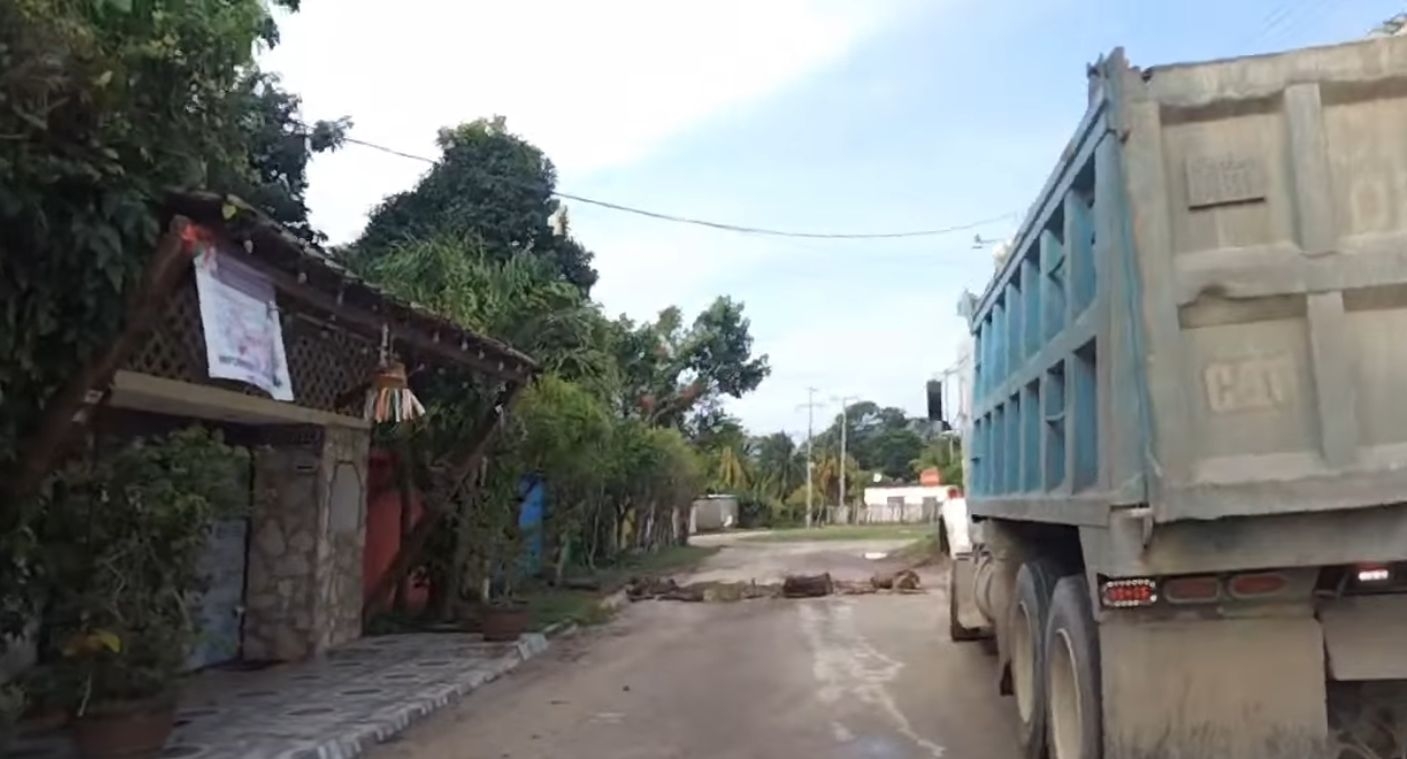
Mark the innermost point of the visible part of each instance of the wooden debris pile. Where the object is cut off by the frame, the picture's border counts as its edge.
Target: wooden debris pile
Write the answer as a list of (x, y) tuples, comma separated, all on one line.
[(793, 586)]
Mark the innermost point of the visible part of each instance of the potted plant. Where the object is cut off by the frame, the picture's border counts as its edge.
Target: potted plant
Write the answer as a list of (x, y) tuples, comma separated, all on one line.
[(127, 528), (505, 616), (498, 546)]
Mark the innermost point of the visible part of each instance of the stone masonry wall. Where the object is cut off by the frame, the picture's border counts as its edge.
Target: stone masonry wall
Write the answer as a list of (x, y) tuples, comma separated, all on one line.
[(304, 583), (279, 589), (344, 473)]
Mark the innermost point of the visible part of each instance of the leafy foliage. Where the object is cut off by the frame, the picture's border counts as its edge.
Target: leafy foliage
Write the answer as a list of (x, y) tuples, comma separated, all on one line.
[(489, 186), (279, 146), (123, 534), (518, 300), (104, 106), (781, 465), (943, 455), (669, 371), (881, 439)]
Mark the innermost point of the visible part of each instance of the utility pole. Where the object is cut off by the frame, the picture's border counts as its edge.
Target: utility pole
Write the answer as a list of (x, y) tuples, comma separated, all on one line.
[(810, 406), (844, 423), (948, 435)]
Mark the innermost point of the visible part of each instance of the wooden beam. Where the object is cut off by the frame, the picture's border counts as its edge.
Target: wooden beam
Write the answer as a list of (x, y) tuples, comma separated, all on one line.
[(438, 504), (69, 408), (144, 392)]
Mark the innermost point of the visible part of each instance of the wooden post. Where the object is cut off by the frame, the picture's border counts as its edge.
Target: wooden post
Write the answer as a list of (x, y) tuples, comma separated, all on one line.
[(437, 505), (68, 409)]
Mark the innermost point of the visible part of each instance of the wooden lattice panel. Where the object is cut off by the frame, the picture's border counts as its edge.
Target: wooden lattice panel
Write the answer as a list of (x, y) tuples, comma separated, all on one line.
[(176, 348), (324, 362)]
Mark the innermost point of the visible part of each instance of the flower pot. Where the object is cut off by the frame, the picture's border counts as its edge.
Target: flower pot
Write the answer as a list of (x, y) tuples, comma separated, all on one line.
[(505, 623), (125, 729)]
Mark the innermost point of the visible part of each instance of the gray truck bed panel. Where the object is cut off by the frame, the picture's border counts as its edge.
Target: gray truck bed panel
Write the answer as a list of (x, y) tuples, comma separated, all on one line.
[(1243, 344)]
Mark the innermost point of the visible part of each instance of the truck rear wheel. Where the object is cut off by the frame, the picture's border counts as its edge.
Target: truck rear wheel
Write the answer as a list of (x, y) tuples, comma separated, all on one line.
[(1075, 707), (1035, 582), (956, 631)]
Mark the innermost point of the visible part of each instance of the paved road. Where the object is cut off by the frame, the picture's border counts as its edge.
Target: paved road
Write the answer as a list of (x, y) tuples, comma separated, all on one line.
[(861, 677)]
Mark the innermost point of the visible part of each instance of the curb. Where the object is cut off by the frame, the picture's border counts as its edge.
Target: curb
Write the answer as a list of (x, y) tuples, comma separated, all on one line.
[(558, 629), (390, 722)]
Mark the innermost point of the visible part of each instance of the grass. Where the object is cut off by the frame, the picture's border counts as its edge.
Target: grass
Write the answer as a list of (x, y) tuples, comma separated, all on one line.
[(845, 532), (920, 552), (550, 605)]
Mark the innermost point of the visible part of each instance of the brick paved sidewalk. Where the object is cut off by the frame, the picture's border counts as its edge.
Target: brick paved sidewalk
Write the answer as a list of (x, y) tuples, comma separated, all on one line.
[(334, 708)]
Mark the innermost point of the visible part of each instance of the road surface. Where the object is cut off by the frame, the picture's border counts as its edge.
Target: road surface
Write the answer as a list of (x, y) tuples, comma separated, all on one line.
[(860, 677)]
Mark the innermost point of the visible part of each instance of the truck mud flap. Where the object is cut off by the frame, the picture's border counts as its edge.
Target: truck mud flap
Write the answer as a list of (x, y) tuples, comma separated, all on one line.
[(1225, 688)]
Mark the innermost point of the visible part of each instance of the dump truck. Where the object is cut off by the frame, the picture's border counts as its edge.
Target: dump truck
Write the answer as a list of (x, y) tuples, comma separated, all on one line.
[(1187, 454)]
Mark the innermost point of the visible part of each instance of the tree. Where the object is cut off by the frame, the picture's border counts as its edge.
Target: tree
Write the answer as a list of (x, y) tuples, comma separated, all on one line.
[(669, 371), (519, 300), (107, 106), (730, 473), (492, 187), (945, 455), (779, 463), (881, 438), (274, 178)]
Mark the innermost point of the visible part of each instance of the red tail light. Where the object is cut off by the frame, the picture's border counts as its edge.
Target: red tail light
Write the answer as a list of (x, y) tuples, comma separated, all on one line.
[(1124, 594), (1256, 585), (1187, 590), (1368, 574)]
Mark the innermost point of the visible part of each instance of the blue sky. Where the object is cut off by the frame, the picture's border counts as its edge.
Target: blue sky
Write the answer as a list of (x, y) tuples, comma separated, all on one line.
[(818, 116)]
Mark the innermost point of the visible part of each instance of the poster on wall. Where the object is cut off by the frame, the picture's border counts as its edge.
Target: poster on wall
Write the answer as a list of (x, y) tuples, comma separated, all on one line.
[(243, 337)]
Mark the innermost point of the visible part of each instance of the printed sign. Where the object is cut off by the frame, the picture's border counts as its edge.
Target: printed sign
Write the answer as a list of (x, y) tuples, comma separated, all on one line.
[(243, 338)]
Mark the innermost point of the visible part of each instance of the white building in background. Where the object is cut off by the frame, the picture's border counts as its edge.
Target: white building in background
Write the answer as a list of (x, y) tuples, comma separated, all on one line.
[(713, 512), (914, 504)]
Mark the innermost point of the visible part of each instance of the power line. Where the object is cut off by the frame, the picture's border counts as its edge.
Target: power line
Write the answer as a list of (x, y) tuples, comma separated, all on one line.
[(721, 225)]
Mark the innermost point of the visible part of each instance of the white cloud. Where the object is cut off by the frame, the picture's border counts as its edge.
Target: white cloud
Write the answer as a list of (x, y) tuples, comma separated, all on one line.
[(595, 84)]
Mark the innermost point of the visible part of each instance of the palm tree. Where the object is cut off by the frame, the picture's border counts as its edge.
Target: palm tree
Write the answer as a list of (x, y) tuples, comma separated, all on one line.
[(732, 470), (779, 467)]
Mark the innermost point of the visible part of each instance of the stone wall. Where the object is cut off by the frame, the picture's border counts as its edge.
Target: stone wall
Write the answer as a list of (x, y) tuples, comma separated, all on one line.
[(303, 588), (340, 550)]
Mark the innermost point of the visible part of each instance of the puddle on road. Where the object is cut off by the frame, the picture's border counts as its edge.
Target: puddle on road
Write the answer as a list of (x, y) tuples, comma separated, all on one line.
[(875, 555)]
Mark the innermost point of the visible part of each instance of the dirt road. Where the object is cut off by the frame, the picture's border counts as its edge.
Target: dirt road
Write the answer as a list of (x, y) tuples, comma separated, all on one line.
[(861, 677)]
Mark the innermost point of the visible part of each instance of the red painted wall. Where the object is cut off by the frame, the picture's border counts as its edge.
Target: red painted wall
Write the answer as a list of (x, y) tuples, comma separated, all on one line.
[(383, 527)]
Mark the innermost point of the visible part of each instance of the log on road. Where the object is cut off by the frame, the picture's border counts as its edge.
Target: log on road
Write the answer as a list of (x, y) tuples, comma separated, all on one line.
[(807, 586)]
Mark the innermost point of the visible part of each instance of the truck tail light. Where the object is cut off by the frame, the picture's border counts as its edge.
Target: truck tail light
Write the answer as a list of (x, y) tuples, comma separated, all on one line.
[(1191, 590), (1130, 593), (1370, 574), (1255, 585)]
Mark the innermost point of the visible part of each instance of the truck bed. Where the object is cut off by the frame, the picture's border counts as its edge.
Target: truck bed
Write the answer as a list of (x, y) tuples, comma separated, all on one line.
[(1206, 310)]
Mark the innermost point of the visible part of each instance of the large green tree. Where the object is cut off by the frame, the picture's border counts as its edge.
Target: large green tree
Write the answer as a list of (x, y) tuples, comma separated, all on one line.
[(670, 372), (880, 438), (489, 186), (780, 464), (279, 146), (519, 300), (105, 105)]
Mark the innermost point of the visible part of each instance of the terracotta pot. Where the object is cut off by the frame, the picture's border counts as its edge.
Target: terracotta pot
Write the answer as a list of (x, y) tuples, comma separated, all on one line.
[(504, 623), (45, 720), (125, 729)]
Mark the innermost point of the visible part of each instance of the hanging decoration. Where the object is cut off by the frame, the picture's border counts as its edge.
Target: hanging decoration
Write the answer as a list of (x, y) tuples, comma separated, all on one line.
[(390, 399)]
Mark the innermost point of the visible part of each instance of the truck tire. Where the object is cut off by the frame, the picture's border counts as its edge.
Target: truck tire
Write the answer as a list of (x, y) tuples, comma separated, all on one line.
[(956, 631), (1035, 582), (1075, 707)]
